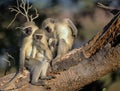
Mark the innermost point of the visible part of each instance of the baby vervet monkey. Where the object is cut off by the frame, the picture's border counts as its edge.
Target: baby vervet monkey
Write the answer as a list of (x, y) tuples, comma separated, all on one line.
[(38, 66), (63, 33), (28, 30), (40, 44)]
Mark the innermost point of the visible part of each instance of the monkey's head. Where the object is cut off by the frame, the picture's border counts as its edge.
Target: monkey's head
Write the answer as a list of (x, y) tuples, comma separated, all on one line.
[(39, 35), (49, 24), (29, 28)]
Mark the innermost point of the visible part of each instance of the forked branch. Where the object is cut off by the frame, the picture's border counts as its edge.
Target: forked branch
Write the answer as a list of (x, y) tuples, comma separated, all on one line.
[(112, 10), (103, 6), (36, 15), (23, 8)]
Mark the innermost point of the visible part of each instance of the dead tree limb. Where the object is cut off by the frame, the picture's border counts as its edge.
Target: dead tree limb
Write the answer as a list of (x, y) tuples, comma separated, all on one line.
[(112, 10), (84, 65)]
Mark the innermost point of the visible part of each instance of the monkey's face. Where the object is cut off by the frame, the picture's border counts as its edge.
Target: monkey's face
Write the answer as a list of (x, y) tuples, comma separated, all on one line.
[(48, 29), (27, 31), (29, 28), (38, 37), (48, 25)]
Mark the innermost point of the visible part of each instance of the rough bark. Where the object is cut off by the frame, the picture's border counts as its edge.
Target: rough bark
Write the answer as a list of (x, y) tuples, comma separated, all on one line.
[(81, 66)]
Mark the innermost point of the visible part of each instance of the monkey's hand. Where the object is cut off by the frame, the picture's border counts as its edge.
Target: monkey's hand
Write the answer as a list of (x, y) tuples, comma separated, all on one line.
[(53, 42)]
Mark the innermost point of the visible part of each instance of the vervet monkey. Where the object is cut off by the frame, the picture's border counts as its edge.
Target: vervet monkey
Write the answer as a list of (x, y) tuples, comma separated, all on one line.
[(64, 31), (28, 30), (40, 44), (26, 47), (38, 66)]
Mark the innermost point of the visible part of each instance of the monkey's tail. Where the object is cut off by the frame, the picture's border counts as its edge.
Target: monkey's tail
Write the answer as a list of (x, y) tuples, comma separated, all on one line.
[(8, 84), (73, 27)]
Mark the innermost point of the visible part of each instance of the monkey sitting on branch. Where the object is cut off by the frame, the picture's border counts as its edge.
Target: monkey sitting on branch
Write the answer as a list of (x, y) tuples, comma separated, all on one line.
[(38, 66), (28, 29), (61, 35)]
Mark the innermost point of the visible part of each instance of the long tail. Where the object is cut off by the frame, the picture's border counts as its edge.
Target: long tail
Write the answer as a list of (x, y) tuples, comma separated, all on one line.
[(73, 27), (4, 87)]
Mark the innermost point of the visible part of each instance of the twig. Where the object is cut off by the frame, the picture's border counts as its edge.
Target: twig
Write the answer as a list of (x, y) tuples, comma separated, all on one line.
[(23, 8)]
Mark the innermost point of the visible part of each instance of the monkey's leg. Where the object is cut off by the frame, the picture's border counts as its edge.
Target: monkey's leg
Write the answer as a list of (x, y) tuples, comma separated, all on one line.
[(35, 74), (62, 48), (45, 65), (34, 67)]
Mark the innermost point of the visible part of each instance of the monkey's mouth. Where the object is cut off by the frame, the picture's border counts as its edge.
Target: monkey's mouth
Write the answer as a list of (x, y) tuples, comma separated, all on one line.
[(28, 31), (48, 29)]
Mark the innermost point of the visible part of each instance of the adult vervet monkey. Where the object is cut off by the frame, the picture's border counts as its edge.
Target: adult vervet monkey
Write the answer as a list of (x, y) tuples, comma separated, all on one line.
[(23, 7), (64, 31), (38, 66), (28, 30), (26, 47)]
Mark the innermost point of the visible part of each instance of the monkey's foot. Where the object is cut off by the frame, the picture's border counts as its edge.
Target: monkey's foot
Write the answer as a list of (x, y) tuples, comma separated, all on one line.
[(39, 83), (47, 77), (21, 70)]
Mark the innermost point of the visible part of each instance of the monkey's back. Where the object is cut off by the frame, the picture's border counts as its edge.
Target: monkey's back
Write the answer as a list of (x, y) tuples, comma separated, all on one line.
[(64, 32)]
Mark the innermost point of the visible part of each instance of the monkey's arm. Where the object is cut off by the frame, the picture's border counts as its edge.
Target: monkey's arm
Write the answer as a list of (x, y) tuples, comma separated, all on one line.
[(34, 50), (73, 27), (48, 54)]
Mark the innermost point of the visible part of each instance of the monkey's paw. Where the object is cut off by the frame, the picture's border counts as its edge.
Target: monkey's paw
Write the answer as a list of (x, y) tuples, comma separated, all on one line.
[(48, 78), (39, 83)]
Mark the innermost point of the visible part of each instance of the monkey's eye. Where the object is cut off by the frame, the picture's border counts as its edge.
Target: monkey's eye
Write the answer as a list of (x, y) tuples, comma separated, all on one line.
[(48, 29), (28, 30), (37, 37)]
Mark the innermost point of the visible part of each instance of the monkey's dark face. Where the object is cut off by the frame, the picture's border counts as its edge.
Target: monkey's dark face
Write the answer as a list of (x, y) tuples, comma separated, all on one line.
[(28, 31), (48, 25), (38, 37), (48, 29), (28, 28)]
